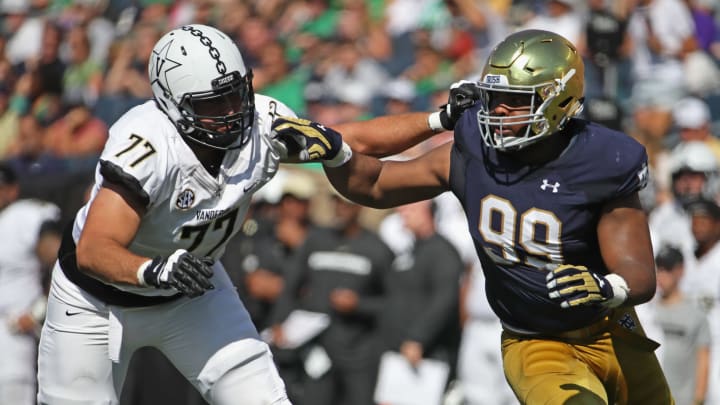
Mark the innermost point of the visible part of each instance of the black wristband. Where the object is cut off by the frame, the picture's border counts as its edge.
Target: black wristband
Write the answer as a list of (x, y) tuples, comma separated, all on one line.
[(445, 120), (151, 271)]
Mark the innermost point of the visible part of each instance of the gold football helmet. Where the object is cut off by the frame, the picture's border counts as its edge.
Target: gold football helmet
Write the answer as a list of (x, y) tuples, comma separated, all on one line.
[(541, 66)]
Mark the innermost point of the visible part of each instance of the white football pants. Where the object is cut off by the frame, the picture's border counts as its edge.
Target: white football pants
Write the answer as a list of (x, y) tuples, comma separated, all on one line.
[(86, 345)]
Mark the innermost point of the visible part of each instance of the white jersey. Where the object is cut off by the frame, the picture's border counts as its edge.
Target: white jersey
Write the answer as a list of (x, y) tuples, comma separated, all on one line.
[(186, 207), (19, 266), (670, 225)]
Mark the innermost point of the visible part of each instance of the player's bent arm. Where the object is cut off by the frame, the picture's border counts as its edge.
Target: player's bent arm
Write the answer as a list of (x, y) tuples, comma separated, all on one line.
[(387, 135), (625, 246), (383, 184), (111, 224)]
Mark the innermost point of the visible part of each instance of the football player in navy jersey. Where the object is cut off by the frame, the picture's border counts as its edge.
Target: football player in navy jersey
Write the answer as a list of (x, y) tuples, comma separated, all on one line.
[(552, 205)]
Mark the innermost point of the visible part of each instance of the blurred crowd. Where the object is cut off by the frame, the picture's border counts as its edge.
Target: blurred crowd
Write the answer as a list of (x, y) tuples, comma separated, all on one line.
[(70, 68)]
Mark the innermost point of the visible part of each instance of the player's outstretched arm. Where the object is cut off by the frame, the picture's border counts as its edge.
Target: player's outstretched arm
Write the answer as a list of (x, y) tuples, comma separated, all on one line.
[(392, 134), (362, 178), (387, 135), (374, 183)]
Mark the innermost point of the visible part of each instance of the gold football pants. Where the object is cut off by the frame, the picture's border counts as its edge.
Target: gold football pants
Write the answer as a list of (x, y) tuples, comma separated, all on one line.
[(608, 363)]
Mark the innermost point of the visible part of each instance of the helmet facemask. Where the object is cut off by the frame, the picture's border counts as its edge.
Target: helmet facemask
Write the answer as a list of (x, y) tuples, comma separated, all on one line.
[(537, 125), (545, 68), (221, 118)]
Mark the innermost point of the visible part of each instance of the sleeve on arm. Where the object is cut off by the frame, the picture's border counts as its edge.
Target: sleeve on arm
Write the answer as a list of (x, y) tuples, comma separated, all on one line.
[(633, 175), (139, 164), (114, 174)]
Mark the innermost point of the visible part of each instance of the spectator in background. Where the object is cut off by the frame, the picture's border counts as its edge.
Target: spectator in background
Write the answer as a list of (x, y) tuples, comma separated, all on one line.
[(693, 173), (25, 30), (29, 155), (351, 68), (48, 64), (339, 271), (126, 83), (691, 116), (686, 354), (480, 369), (22, 300), (398, 96), (707, 32), (431, 69), (83, 77), (701, 280), (100, 30), (663, 34), (559, 16), (9, 119), (156, 12), (232, 17), (421, 316), (258, 263), (606, 44), (253, 36), (357, 23), (77, 134), (274, 77)]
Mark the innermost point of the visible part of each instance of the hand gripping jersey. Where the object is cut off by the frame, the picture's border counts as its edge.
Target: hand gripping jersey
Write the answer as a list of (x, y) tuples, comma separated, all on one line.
[(522, 218), (186, 207)]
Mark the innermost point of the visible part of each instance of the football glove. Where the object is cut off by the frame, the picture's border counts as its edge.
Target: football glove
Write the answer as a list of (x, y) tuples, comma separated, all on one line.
[(576, 285), (183, 271), (312, 141), (463, 95)]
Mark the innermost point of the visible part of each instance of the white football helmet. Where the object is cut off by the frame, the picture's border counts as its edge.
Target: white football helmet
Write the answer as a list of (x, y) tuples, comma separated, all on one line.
[(695, 157), (200, 81)]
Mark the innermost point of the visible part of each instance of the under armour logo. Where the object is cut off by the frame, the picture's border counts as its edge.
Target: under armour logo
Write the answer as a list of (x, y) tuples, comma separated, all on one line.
[(554, 187), (627, 322)]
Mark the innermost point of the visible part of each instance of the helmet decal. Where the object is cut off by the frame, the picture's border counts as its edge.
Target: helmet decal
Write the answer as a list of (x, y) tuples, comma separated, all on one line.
[(159, 60), (214, 53)]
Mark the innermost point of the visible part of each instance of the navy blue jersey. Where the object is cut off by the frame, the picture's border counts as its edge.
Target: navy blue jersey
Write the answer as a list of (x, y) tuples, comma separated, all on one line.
[(523, 217)]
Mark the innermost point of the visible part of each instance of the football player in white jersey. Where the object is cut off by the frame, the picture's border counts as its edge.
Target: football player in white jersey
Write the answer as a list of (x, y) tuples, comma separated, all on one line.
[(22, 299), (139, 266)]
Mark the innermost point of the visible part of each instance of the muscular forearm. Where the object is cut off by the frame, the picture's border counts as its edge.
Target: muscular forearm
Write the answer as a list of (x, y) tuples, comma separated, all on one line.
[(108, 261), (384, 184), (356, 179), (388, 135)]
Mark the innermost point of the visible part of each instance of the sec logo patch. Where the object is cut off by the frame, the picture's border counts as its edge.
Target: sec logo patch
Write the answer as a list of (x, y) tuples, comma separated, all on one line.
[(185, 199)]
